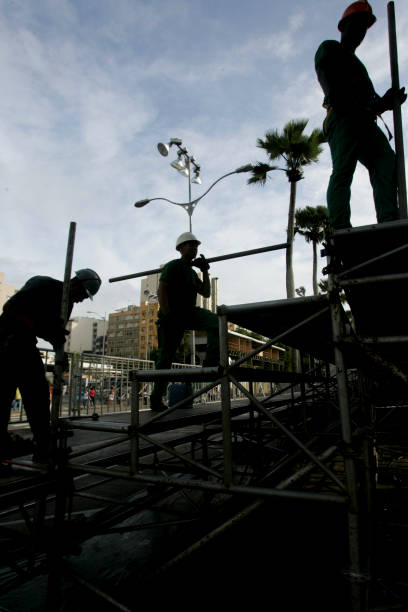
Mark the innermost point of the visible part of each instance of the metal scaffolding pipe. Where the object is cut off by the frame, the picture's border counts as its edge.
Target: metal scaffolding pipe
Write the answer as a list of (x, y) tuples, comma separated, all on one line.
[(350, 282), (289, 434), (59, 353), (225, 401), (368, 262), (182, 483), (266, 249), (384, 340), (349, 460), (398, 133), (134, 424), (173, 374), (91, 587), (174, 453)]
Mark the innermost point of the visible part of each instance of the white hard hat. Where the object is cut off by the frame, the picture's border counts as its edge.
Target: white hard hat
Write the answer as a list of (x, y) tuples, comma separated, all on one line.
[(186, 237), (90, 280)]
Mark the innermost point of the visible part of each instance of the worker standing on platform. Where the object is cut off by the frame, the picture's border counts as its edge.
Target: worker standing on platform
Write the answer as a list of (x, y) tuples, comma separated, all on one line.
[(351, 122), (34, 311), (178, 288)]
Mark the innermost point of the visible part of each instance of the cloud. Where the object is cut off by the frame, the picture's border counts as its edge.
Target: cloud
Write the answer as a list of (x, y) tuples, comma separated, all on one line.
[(91, 87)]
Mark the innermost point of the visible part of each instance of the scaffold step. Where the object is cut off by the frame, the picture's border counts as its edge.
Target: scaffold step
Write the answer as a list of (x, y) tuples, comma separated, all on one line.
[(303, 323), (377, 257)]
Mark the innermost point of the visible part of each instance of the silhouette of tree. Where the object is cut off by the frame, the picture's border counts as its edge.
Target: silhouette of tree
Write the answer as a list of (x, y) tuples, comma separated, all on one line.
[(297, 150), (310, 223)]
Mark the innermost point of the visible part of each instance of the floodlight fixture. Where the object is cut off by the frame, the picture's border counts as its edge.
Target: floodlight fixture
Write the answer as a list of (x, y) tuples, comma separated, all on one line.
[(196, 178), (164, 148), (178, 164)]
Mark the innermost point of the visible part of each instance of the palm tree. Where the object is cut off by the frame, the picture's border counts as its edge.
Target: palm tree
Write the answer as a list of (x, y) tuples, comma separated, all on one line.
[(297, 150), (310, 223)]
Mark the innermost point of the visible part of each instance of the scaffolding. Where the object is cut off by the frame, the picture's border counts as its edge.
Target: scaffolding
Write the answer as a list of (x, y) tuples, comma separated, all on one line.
[(325, 439)]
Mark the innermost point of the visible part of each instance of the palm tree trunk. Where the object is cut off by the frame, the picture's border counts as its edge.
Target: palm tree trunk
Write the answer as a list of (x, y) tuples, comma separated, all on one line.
[(315, 286), (290, 281)]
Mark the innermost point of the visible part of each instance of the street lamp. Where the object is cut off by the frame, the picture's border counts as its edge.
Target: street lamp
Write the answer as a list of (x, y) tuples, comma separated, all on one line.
[(189, 206), (149, 296), (184, 164)]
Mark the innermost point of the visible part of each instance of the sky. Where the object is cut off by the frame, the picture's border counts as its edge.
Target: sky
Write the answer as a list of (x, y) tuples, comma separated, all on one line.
[(89, 87)]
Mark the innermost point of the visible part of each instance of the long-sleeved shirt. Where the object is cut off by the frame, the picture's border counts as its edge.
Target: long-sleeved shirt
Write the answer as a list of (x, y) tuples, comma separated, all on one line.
[(35, 310)]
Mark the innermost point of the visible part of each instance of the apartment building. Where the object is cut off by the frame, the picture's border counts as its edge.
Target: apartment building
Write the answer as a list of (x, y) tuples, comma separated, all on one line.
[(147, 327), (84, 334), (122, 339)]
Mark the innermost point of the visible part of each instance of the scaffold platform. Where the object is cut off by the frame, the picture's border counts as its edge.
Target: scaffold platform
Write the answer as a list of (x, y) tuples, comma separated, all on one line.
[(304, 475)]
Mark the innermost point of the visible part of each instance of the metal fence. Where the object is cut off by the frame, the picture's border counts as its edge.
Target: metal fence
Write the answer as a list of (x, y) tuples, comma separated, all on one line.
[(109, 377)]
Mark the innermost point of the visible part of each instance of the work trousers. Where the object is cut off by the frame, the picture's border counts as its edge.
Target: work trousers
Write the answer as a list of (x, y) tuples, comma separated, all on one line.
[(352, 140), (170, 334), (21, 366)]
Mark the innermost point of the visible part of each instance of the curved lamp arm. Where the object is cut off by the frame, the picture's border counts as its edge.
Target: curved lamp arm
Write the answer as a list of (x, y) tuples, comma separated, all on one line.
[(247, 168)]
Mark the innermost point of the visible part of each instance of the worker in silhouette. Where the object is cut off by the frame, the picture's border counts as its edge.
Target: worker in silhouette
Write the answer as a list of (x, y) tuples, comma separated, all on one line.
[(351, 127), (178, 288), (34, 311)]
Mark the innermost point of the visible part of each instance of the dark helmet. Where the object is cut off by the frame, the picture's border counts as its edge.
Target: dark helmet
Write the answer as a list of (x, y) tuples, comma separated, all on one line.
[(90, 281)]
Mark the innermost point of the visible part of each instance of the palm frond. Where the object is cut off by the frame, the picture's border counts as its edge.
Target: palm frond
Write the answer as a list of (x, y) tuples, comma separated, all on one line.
[(259, 173), (310, 223)]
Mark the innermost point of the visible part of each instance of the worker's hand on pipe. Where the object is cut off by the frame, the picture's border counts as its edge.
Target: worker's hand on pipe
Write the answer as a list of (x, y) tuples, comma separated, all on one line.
[(201, 263), (393, 97)]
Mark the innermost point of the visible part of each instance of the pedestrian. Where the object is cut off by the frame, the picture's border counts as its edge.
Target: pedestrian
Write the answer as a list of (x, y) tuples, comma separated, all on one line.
[(17, 400), (353, 107), (92, 396), (85, 397), (178, 288), (35, 311)]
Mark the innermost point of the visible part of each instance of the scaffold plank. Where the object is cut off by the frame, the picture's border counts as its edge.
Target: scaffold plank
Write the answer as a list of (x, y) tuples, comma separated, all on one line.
[(378, 255), (302, 323)]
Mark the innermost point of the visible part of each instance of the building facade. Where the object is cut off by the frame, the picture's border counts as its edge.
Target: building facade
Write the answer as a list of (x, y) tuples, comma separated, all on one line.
[(148, 328), (122, 339), (6, 291), (83, 334)]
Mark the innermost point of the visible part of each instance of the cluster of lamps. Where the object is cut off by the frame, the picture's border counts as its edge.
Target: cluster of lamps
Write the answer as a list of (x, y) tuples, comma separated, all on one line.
[(183, 164), (184, 160)]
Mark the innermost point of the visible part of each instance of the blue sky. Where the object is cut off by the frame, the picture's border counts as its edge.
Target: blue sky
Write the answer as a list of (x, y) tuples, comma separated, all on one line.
[(91, 86)]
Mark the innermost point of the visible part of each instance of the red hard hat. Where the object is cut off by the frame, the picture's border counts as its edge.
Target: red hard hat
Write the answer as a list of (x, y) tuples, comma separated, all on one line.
[(358, 7)]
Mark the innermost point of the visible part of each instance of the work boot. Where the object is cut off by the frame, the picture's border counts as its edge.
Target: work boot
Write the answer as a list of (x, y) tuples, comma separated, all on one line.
[(156, 404)]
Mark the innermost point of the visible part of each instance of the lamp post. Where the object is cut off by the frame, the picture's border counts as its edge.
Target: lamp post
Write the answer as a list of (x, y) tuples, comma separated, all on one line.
[(184, 162), (149, 296)]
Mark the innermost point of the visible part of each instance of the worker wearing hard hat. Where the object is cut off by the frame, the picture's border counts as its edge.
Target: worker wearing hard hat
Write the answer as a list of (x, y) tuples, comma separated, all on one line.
[(34, 311), (178, 288), (351, 122)]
